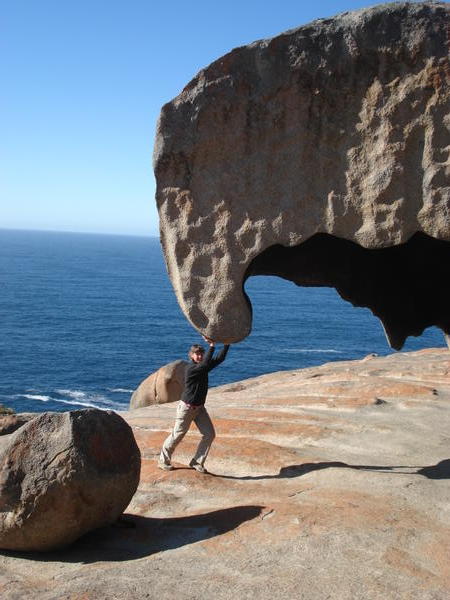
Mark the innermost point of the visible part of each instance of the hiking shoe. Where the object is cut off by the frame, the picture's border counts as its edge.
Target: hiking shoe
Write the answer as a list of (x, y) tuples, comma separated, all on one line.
[(197, 466), (164, 466)]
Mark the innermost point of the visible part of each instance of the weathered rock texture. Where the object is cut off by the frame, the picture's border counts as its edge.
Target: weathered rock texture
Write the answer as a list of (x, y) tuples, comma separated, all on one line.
[(164, 385), (63, 474), (337, 133), (330, 482)]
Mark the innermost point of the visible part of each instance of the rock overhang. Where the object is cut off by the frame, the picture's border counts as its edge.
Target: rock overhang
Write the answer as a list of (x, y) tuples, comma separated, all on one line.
[(340, 128)]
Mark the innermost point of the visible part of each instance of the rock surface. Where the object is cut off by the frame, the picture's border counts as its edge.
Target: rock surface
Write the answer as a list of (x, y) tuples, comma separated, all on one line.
[(340, 128), (164, 385), (62, 475), (329, 482)]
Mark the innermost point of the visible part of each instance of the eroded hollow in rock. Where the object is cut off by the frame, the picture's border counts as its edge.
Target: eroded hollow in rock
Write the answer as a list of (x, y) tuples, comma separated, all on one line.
[(405, 286)]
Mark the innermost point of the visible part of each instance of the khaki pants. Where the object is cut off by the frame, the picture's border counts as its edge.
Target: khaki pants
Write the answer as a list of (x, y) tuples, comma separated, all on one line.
[(185, 415)]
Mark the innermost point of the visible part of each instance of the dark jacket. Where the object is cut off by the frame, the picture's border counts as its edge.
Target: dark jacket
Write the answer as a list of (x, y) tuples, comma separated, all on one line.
[(196, 381)]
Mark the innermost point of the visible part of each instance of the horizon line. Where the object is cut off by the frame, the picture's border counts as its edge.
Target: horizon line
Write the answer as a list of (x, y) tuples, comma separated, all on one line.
[(35, 230)]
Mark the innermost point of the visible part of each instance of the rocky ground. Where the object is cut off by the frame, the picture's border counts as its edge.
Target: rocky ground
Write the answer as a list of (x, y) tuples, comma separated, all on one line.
[(326, 483)]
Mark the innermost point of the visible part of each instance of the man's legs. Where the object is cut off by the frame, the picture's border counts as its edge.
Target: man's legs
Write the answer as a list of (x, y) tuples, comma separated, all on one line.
[(185, 415), (206, 428)]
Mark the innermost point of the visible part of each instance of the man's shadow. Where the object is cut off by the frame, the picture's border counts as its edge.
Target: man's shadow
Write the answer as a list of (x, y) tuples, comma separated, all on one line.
[(134, 537), (439, 471)]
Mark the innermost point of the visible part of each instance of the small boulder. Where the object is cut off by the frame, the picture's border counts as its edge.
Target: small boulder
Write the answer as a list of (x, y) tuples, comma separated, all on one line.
[(164, 385), (64, 474), (11, 422)]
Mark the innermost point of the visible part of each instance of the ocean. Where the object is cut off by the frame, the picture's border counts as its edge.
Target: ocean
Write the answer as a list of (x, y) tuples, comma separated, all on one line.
[(85, 318)]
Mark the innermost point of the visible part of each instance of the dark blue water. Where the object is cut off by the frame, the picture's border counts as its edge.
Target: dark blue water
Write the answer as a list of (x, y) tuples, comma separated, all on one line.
[(84, 318)]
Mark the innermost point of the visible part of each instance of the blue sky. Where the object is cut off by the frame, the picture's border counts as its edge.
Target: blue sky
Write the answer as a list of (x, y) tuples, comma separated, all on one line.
[(83, 83)]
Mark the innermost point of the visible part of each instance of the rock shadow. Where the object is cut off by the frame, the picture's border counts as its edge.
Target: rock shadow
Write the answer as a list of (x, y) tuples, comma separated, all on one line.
[(439, 471), (134, 537)]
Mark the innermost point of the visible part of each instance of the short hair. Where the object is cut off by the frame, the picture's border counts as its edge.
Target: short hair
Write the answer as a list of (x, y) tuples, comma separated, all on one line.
[(196, 348)]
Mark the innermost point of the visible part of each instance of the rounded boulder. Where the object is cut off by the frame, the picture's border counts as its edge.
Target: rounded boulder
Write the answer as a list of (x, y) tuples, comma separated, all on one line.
[(64, 474), (164, 385)]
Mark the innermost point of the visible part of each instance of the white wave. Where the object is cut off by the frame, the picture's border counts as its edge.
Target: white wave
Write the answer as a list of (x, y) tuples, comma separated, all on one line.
[(50, 399), (35, 397), (88, 400), (125, 391), (77, 403), (72, 393), (77, 398), (312, 351)]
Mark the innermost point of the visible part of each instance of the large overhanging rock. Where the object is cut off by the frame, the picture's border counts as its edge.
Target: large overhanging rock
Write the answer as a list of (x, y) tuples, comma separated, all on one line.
[(63, 474), (322, 156)]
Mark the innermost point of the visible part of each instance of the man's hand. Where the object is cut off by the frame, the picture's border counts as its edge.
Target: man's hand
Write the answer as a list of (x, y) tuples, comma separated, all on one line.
[(209, 341)]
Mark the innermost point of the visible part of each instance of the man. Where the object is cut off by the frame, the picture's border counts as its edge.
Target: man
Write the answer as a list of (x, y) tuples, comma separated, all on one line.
[(191, 407)]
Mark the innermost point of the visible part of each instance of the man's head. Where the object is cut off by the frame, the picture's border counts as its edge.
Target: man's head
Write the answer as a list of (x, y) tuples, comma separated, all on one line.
[(196, 353)]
